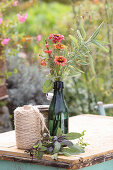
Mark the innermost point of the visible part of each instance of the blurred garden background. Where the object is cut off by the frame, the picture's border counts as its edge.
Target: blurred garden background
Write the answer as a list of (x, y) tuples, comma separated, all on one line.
[(21, 77)]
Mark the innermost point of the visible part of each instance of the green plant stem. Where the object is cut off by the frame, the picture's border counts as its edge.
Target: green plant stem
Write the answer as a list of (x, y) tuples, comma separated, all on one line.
[(88, 92), (78, 95)]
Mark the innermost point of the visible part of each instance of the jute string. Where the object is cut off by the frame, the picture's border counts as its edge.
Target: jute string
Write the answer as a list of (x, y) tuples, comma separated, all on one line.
[(29, 125)]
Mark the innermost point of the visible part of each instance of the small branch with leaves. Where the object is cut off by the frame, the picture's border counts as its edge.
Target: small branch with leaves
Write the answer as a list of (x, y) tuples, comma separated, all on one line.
[(58, 145)]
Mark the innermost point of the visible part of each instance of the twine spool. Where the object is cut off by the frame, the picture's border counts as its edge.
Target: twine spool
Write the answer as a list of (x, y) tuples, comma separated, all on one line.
[(29, 124)]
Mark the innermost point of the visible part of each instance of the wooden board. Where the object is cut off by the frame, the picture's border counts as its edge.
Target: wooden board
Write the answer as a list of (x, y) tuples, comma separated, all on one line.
[(99, 134)]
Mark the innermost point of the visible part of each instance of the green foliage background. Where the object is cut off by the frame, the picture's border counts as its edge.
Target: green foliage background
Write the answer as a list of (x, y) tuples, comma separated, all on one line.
[(81, 93)]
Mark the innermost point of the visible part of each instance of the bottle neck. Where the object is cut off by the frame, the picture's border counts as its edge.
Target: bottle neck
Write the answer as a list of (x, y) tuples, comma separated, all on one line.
[(58, 90), (58, 85)]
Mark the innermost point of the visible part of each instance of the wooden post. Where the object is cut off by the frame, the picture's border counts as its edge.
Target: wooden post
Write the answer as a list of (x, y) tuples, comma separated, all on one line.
[(3, 89), (5, 123)]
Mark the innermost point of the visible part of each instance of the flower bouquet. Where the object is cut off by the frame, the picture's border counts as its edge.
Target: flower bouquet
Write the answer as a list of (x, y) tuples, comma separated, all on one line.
[(65, 61)]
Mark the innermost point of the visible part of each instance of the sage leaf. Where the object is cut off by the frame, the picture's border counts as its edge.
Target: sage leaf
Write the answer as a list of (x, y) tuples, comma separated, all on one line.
[(48, 86), (70, 151), (67, 143), (72, 135), (57, 147), (54, 156), (43, 148), (39, 155), (76, 148)]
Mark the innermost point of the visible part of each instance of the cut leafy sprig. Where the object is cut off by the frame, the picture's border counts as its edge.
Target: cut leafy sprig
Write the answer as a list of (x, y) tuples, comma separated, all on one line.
[(58, 145)]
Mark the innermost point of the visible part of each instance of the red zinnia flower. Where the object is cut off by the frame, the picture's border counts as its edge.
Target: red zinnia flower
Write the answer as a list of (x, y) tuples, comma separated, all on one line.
[(56, 38), (59, 60), (43, 63), (48, 51)]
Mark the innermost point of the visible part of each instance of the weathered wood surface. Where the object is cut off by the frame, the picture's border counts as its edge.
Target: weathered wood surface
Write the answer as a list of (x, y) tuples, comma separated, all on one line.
[(99, 134)]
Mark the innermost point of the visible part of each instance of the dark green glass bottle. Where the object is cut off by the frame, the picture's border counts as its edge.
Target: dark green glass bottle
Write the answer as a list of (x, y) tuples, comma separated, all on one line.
[(58, 112)]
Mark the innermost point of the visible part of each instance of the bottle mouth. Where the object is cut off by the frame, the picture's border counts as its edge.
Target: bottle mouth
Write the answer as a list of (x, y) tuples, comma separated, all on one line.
[(58, 85)]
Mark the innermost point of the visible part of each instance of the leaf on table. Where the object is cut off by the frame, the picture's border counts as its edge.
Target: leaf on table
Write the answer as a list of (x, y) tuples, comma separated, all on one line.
[(43, 148), (72, 135), (67, 143), (54, 156), (70, 151), (39, 155), (77, 148), (57, 147)]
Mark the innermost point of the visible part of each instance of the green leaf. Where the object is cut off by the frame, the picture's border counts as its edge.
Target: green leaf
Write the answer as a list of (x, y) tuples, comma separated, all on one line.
[(83, 31), (67, 143), (35, 146), (48, 86), (66, 153), (99, 45), (43, 148), (9, 74), (91, 64), (77, 148), (49, 76), (72, 135), (70, 151), (79, 35), (54, 156), (39, 155), (96, 32), (83, 133), (73, 39), (15, 71), (103, 42), (59, 132), (57, 147), (74, 70)]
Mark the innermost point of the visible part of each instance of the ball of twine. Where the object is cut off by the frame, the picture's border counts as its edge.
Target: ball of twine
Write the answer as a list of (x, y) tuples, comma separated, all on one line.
[(29, 125)]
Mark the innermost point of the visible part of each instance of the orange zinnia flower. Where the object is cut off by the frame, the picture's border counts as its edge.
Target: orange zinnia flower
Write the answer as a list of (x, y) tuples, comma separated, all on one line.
[(59, 60), (59, 46), (43, 63)]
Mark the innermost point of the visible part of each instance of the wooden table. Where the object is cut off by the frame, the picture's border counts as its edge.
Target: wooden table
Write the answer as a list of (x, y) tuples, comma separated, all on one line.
[(98, 155)]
